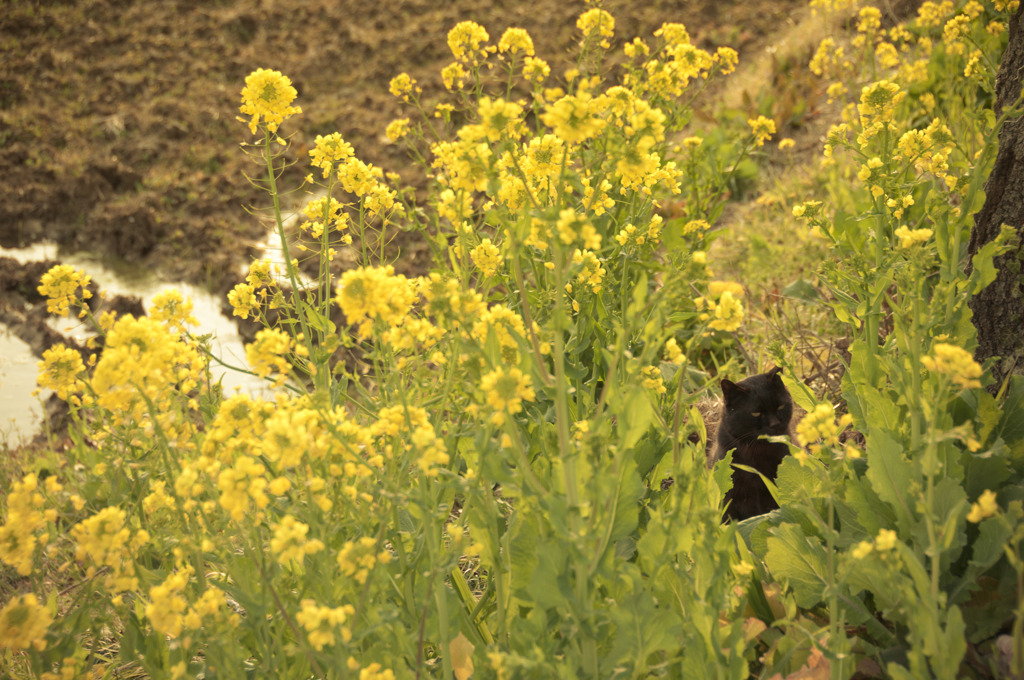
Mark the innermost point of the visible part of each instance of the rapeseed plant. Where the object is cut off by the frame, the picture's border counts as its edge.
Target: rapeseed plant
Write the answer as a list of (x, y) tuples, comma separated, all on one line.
[(500, 464)]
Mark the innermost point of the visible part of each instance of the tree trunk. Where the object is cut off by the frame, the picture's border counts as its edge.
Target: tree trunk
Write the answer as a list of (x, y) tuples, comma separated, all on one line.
[(999, 308)]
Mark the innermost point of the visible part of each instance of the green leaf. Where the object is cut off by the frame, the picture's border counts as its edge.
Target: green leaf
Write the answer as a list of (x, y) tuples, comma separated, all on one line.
[(722, 473), (988, 470), (891, 475), (549, 585), (984, 270), (803, 397), (646, 455), (801, 290), (637, 417), (799, 561), (1011, 426), (950, 507), (844, 316), (625, 512), (798, 483), (873, 575), (993, 535)]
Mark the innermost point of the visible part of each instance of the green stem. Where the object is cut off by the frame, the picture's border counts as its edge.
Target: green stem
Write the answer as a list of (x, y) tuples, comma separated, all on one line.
[(289, 266), (914, 342)]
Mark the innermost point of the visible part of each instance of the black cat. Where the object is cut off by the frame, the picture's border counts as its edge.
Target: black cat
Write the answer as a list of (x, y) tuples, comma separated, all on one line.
[(754, 407)]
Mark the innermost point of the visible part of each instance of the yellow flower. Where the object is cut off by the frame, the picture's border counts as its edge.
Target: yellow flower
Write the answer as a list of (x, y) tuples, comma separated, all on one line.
[(591, 273), (329, 151), (717, 288), (820, 425), (728, 58), (60, 370), (465, 41), (832, 6), (397, 129), (954, 362), (269, 352), (403, 85), (931, 14), (507, 327), (23, 623), (144, 376), (862, 550), (377, 672), (674, 34), (911, 237), (370, 293), (357, 177), (170, 307), (878, 102), (673, 353), (167, 603), (357, 559), (499, 118), (596, 24), (886, 540), (985, 507), (535, 70), (24, 519), (652, 379), (289, 544), (60, 285), (807, 210), (505, 392), (573, 118), (486, 257), (572, 226), (319, 211), (320, 623), (887, 55), (762, 128), (637, 48), (107, 542), (243, 301), (516, 41), (240, 483), (268, 95), (869, 20), (728, 313)]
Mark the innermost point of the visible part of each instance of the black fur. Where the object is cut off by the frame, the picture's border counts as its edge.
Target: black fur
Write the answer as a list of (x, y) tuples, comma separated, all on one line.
[(755, 407)]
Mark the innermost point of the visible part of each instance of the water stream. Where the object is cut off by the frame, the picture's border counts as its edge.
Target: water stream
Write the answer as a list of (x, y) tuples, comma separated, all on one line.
[(21, 412)]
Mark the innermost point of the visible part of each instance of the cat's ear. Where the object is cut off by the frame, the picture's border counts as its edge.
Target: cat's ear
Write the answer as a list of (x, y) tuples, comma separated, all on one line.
[(774, 373), (731, 390)]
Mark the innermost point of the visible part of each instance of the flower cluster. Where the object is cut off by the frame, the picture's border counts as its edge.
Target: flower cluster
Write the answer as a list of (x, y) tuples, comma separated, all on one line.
[(61, 370), (23, 623), (505, 391), (267, 97), (955, 363), (820, 429), (986, 506), (321, 623), (105, 540), (61, 285), (369, 294), (25, 519)]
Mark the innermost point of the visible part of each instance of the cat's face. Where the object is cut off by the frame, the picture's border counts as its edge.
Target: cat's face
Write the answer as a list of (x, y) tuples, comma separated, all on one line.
[(757, 405)]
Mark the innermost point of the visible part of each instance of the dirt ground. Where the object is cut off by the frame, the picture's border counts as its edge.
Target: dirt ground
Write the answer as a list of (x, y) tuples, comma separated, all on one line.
[(118, 130)]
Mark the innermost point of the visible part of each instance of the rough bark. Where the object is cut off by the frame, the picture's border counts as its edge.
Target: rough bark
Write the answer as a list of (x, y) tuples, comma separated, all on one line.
[(999, 308)]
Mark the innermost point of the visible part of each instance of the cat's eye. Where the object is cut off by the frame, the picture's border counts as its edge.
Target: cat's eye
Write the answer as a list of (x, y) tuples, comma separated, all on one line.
[(782, 407), (756, 414)]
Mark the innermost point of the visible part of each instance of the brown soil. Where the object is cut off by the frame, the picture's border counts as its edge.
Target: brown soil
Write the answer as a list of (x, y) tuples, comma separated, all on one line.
[(118, 130)]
